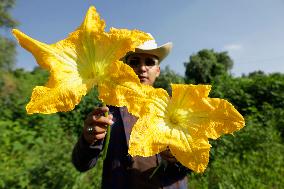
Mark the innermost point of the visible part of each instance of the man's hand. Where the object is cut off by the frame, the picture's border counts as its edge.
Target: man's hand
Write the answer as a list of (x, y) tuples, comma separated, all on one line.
[(95, 125)]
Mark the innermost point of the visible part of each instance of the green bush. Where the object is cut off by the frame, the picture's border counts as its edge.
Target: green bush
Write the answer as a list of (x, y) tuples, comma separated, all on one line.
[(40, 157), (36, 149), (254, 156)]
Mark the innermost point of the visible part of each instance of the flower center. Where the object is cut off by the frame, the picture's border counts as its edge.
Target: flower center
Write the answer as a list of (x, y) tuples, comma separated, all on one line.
[(177, 117)]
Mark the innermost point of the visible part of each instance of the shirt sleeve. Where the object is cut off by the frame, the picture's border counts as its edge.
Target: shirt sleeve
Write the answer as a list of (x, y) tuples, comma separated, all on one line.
[(85, 156)]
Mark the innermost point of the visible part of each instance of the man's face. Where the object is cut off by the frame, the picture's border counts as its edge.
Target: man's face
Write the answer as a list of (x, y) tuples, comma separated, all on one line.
[(146, 67)]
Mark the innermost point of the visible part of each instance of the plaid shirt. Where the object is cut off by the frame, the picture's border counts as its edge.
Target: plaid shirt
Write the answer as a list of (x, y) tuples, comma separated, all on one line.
[(120, 170)]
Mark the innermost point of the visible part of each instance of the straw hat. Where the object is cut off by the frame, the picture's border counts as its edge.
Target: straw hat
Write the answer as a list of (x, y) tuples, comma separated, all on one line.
[(151, 47)]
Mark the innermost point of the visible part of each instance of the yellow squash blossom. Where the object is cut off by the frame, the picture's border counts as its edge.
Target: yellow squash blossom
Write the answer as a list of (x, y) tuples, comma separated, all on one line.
[(183, 122), (88, 57)]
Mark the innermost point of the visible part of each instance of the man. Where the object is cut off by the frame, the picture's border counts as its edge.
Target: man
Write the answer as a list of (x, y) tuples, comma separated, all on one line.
[(120, 169)]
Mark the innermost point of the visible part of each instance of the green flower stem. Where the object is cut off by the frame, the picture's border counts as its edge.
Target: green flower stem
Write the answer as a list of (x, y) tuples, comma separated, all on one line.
[(106, 138), (163, 164), (156, 169)]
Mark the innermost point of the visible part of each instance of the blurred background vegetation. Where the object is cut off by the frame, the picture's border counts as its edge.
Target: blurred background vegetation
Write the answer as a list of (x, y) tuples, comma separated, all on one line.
[(36, 149)]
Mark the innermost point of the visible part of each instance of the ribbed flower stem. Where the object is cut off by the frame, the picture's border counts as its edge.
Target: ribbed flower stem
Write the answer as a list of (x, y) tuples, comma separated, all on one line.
[(163, 164), (106, 138)]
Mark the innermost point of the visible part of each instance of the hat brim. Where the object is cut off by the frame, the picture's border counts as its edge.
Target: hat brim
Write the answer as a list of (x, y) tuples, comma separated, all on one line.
[(161, 52)]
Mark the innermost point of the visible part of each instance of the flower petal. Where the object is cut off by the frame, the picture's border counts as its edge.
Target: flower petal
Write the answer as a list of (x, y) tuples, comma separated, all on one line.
[(189, 92), (223, 119), (205, 116), (124, 89), (147, 137), (64, 89), (193, 154), (62, 98)]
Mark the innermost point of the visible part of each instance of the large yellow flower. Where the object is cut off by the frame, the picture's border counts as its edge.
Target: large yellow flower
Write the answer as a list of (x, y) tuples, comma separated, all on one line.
[(183, 123), (88, 57)]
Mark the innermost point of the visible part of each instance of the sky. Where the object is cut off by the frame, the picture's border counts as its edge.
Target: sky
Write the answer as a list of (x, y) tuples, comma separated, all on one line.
[(251, 31)]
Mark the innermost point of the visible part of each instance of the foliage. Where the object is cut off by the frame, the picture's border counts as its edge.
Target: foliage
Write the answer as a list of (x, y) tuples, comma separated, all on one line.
[(7, 46), (251, 93), (6, 19), (7, 53), (252, 157), (36, 149), (206, 65), (39, 157)]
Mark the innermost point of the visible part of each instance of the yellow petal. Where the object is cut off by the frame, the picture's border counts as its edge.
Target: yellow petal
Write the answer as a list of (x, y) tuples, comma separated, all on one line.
[(192, 153), (189, 92), (123, 88), (223, 119), (147, 137), (41, 51), (61, 98), (92, 22), (81, 60), (203, 115), (65, 87)]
